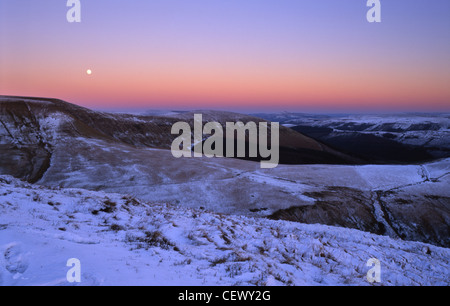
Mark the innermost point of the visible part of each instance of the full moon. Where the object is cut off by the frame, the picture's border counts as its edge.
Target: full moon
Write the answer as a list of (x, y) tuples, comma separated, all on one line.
[(89, 71)]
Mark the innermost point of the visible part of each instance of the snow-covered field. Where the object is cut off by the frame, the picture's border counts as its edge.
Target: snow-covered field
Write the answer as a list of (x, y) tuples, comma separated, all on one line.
[(140, 216), (121, 240)]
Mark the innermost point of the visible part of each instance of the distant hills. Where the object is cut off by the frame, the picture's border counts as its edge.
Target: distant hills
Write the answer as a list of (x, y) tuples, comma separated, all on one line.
[(383, 139)]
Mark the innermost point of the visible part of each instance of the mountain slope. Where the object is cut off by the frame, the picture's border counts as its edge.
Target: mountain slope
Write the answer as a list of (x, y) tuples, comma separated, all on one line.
[(57, 144), (121, 240), (31, 127)]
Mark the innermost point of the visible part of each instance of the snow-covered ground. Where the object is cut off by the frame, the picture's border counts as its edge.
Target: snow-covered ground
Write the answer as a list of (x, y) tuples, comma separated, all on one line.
[(121, 240)]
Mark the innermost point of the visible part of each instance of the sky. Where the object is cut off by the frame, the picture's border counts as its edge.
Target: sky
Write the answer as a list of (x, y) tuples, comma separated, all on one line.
[(255, 55)]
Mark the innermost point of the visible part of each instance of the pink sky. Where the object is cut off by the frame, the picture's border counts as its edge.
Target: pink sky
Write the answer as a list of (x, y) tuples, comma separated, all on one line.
[(257, 55)]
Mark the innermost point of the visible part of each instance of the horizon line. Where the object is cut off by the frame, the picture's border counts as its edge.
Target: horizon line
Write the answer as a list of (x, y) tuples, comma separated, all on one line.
[(306, 109)]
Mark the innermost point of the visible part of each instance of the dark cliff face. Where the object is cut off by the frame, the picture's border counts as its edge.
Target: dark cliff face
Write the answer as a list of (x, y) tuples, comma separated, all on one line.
[(25, 149), (414, 217)]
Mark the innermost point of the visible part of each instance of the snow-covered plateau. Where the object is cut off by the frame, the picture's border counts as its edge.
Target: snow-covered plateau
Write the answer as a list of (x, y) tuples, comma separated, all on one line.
[(120, 240)]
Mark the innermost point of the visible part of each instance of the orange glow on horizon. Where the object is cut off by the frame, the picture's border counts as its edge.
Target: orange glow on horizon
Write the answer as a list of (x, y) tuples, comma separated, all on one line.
[(221, 85), (230, 55)]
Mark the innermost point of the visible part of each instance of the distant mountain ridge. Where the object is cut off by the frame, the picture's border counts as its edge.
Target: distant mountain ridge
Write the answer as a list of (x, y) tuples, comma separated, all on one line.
[(384, 138)]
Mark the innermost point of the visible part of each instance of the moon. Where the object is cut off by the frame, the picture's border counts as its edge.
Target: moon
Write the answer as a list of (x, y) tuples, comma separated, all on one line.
[(89, 72)]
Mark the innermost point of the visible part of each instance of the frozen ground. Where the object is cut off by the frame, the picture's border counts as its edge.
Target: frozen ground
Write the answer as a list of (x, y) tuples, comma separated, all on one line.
[(124, 241), (62, 145), (245, 189)]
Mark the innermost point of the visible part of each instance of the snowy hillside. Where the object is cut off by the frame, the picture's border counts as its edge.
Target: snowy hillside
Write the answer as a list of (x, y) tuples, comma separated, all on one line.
[(58, 144), (124, 241)]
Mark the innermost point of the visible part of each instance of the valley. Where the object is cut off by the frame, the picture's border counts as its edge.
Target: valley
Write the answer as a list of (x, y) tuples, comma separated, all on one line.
[(60, 148)]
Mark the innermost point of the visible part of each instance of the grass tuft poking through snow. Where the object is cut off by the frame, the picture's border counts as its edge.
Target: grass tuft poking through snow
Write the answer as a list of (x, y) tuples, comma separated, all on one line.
[(121, 240)]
